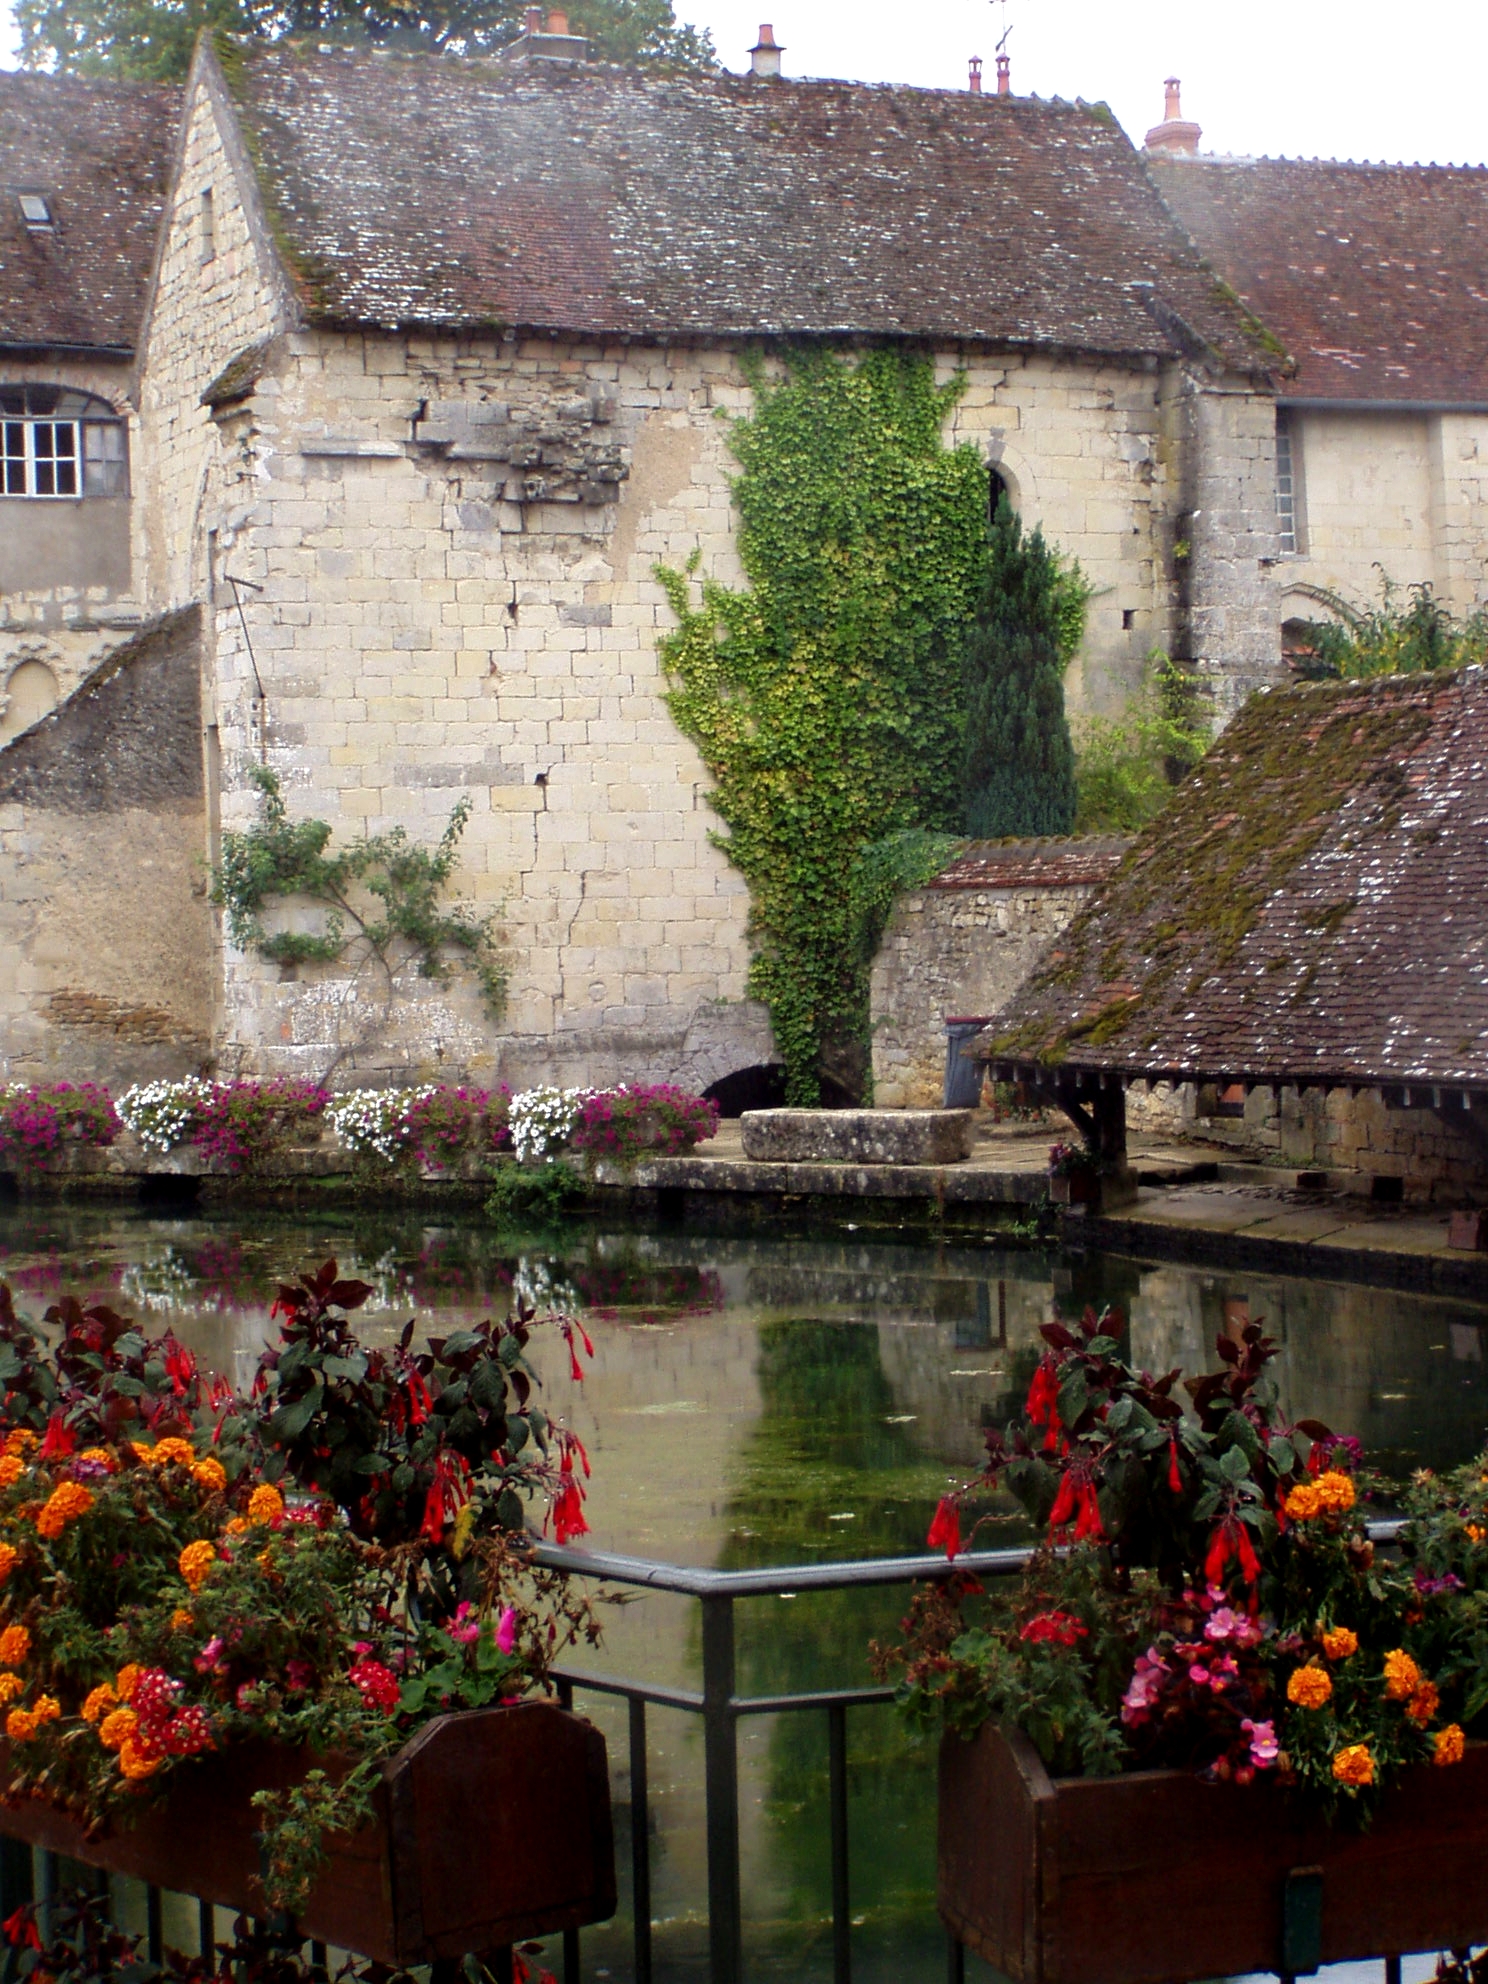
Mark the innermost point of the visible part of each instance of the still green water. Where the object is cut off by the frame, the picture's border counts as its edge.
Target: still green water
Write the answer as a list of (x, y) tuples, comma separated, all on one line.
[(776, 1400)]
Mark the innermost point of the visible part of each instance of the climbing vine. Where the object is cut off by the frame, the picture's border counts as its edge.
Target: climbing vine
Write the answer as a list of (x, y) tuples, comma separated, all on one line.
[(826, 698), (380, 893)]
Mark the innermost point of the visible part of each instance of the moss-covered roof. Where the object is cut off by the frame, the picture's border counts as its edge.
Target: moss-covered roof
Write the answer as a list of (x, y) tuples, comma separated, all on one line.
[(1312, 906)]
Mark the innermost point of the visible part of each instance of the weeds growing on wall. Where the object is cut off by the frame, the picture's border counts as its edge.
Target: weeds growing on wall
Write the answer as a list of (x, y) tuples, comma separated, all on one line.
[(826, 699), (1019, 760), (1126, 770), (381, 893), (1410, 630)]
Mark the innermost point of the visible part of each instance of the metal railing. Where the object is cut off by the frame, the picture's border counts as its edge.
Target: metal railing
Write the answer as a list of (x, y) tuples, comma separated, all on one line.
[(721, 1710)]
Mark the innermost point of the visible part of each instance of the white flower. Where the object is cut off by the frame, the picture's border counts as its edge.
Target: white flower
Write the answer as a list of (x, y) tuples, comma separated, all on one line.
[(375, 1120), (543, 1119), (163, 1114)]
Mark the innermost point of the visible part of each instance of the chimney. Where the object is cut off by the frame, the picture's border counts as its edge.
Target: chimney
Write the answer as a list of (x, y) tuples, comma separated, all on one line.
[(553, 43), (1174, 136), (557, 21), (764, 57), (974, 75), (1004, 75), (534, 20)]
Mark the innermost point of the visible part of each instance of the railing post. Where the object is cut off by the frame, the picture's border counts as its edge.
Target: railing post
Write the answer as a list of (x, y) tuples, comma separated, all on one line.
[(721, 1777), (640, 1842), (955, 1960), (837, 1819)]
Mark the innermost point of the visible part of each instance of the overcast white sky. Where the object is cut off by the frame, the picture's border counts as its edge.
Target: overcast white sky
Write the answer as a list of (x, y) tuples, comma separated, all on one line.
[(1311, 79)]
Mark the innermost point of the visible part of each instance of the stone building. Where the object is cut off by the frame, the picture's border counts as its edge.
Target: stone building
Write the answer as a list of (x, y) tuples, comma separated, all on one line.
[(1371, 277), (430, 378), (84, 172)]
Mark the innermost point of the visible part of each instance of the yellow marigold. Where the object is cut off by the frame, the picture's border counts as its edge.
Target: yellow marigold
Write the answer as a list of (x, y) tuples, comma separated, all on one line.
[(140, 1450), (195, 1562), (11, 1685), (47, 1708), (1450, 1745), (67, 1501), (237, 1526), (1335, 1492), (1303, 1503), (126, 1678), (98, 1701), (1339, 1642), (1310, 1686), (20, 1725), (1476, 1531), (171, 1449), (117, 1727), (12, 1467), (1402, 1676), (1353, 1765), (266, 1505), (134, 1762), (15, 1644), (210, 1474), (21, 1441), (100, 1457), (181, 1620), (1424, 1703)]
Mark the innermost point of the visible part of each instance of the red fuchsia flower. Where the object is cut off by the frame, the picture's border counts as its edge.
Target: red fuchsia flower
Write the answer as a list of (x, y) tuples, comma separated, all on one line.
[(1043, 1402), (377, 1685), (568, 1504), (20, 1929), (570, 1329), (506, 1632), (60, 1440), (1231, 1539), (1175, 1477), (180, 1365), (449, 1491), (1077, 1503), (945, 1528), (1060, 1628)]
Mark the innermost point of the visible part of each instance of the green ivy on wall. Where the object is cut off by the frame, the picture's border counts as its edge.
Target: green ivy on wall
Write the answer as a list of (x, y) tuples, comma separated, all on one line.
[(827, 697)]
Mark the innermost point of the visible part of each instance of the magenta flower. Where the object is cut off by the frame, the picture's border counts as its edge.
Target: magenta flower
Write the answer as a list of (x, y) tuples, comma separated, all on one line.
[(1264, 1747), (506, 1632)]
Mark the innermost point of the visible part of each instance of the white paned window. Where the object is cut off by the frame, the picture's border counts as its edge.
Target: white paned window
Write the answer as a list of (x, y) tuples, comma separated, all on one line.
[(57, 443), (1286, 489)]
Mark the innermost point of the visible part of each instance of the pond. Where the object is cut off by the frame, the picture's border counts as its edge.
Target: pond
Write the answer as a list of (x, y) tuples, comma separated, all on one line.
[(767, 1399)]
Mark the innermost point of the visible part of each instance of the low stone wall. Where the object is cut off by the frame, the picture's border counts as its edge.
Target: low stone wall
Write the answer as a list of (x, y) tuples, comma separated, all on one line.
[(106, 939), (961, 947)]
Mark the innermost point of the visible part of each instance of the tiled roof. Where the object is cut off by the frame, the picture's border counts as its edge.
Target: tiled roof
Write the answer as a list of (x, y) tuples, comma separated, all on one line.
[(100, 153), (1033, 864), (1374, 277), (420, 190), (1313, 905)]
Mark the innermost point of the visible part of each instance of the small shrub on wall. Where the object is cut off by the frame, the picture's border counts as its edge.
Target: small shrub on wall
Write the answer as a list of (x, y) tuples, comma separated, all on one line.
[(627, 1123), (39, 1120)]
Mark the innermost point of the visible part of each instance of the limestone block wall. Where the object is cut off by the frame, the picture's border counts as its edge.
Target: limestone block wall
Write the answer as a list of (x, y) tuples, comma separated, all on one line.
[(106, 955), (66, 591), (1405, 494), (1226, 545)]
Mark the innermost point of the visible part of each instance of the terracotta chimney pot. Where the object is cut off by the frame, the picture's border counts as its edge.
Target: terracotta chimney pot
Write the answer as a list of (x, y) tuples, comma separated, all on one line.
[(974, 75), (534, 20), (1175, 135), (557, 21), (1004, 75), (764, 57)]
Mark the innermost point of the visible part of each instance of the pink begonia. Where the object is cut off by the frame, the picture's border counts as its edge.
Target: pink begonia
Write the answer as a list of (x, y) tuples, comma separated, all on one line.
[(1264, 1747), (1227, 1624), (506, 1632), (1145, 1686), (466, 1628)]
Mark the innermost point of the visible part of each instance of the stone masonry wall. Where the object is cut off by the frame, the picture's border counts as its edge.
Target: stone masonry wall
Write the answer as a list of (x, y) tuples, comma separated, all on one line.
[(105, 932)]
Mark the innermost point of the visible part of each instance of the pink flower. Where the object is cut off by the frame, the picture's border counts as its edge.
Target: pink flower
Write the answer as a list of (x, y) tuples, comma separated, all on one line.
[(1222, 1624), (210, 1656), (1263, 1744), (466, 1628), (506, 1632), (1144, 1687)]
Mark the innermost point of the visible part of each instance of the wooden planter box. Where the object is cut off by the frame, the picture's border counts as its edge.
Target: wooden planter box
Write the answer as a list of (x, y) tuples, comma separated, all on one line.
[(1160, 1878), (1072, 1188), (491, 1826)]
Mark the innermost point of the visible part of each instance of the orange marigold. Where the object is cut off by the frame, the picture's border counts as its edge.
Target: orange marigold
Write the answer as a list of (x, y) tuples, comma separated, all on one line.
[(9, 1558), (11, 1685), (210, 1474), (67, 1501), (98, 1701), (1476, 1531), (117, 1727), (1303, 1503), (181, 1620), (135, 1762), (1450, 1745), (195, 1562), (46, 1708), (1353, 1765), (100, 1457), (1309, 1686), (126, 1679), (266, 1505), (1339, 1642), (1335, 1492), (237, 1526), (20, 1725), (15, 1644), (12, 1467), (21, 1441), (1424, 1703), (1402, 1676), (170, 1449)]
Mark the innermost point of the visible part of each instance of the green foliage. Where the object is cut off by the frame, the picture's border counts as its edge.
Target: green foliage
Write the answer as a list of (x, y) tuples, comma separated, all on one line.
[(523, 1195), (1127, 769), (152, 40), (1394, 638), (1019, 767), (883, 870), (278, 858), (826, 698)]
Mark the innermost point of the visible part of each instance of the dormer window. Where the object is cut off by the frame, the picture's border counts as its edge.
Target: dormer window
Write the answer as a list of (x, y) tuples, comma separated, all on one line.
[(58, 443), (36, 209)]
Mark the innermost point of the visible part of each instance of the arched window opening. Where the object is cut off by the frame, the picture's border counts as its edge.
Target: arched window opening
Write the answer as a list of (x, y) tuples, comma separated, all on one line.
[(56, 442), (997, 488)]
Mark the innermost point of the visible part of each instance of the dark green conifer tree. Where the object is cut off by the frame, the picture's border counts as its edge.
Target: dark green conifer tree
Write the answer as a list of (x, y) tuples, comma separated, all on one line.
[(1019, 773)]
